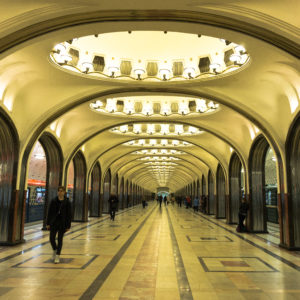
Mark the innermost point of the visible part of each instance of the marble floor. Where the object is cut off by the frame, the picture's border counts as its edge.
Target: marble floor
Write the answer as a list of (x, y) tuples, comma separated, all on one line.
[(168, 253)]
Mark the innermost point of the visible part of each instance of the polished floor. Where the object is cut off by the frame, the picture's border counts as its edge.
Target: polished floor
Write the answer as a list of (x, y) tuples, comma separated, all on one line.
[(168, 253)]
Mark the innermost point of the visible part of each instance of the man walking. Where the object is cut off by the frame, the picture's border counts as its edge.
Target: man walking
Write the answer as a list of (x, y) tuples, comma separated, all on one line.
[(113, 205), (59, 221)]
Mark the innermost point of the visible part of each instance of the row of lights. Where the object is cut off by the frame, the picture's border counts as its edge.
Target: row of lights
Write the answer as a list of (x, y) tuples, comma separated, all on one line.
[(158, 129), (159, 158), (61, 56), (157, 143), (111, 106), (158, 152)]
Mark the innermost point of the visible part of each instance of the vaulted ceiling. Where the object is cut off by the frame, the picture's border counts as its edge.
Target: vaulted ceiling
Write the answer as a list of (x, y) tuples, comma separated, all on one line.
[(259, 97)]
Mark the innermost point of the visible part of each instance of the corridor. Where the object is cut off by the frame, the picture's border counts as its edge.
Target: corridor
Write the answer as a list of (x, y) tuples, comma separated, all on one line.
[(168, 253)]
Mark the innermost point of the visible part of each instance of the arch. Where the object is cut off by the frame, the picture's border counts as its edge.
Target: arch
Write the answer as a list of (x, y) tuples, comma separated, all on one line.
[(235, 192), (211, 195), (106, 190), (11, 212), (54, 157), (80, 198), (122, 194), (198, 189), (220, 209), (292, 199), (203, 181), (95, 202), (258, 212)]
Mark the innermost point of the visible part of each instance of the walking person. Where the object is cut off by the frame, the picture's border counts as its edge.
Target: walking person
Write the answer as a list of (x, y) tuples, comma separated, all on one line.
[(160, 200), (59, 221), (144, 203), (113, 205), (242, 215), (196, 204)]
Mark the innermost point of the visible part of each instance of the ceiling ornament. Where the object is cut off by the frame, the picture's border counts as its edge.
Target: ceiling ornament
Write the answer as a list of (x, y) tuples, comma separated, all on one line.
[(149, 56)]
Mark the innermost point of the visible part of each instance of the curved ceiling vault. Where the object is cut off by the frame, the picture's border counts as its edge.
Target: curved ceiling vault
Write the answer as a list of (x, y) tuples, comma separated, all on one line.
[(202, 85)]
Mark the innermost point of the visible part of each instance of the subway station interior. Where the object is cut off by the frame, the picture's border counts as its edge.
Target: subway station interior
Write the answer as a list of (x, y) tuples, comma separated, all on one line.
[(142, 100)]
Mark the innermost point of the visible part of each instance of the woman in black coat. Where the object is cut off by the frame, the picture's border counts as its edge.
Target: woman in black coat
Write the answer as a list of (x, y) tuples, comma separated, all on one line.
[(59, 221)]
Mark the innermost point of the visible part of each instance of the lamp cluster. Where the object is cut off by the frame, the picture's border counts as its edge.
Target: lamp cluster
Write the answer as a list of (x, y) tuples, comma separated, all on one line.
[(157, 143), (158, 152), (156, 129), (159, 158), (140, 107), (74, 55)]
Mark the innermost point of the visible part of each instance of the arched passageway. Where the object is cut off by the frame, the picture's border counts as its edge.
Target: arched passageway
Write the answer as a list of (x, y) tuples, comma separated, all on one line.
[(235, 188), (211, 196), (11, 225), (95, 199), (106, 190), (80, 199), (220, 209), (292, 228)]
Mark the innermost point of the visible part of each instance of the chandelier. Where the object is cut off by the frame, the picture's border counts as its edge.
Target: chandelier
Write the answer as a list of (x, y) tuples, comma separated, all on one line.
[(157, 143), (149, 56)]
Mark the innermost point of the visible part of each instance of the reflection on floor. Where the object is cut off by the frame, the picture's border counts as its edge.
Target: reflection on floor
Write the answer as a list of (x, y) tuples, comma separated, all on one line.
[(169, 253)]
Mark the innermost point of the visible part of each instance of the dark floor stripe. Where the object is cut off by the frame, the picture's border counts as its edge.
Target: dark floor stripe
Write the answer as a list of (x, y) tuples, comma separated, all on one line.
[(287, 262), (98, 282), (47, 242), (182, 280)]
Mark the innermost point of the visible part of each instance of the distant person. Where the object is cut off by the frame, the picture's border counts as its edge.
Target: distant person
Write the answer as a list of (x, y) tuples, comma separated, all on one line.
[(188, 202), (113, 205), (165, 200), (160, 199), (196, 204), (58, 221), (243, 210), (144, 203)]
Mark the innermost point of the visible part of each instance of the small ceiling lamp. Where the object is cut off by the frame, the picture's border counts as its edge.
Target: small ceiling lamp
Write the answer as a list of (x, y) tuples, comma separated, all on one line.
[(139, 73), (147, 109), (236, 58), (60, 48), (129, 107), (164, 142), (175, 143), (124, 128), (240, 49), (112, 70), (137, 128), (178, 129), (111, 105), (192, 130), (86, 67), (164, 129), (215, 67), (189, 72), (183, 107), (150, 128), (201, 105), (165, 73), (142, 142), (152, 142), (165, 109)]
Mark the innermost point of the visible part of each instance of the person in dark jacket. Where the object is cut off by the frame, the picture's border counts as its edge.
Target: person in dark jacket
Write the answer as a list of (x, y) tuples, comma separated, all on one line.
[(244, 206), (113, 205), (59, 221)]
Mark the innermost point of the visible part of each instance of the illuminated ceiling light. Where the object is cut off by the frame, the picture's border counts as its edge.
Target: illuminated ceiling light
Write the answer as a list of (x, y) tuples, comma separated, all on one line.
[(164, 142), (86, 66), (166, 109), (60, 48), (111, 105), (165, 74), (240, 49), (112, 71), (175, 143), (164, 129), (183, 107), (179, 129), (236, 58), (137, 128), (201, 105), (124, 128), (129, 107), (152, 142), (189, 72), (150, 128), (215, 67), (147, 108), (192, 129), (139, 73), (142, 142)]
